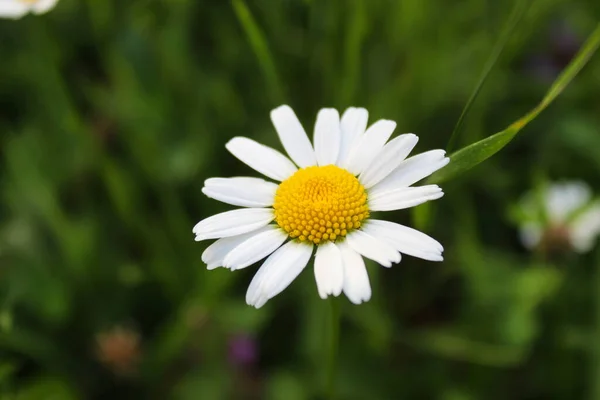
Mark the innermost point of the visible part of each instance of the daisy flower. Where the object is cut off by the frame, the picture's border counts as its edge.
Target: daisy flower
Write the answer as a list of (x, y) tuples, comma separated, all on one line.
[(16, 9), (323, 200), (564, 216)]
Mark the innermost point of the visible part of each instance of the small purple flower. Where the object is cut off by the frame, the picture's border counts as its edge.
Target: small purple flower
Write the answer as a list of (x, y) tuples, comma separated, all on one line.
[(243, 350)]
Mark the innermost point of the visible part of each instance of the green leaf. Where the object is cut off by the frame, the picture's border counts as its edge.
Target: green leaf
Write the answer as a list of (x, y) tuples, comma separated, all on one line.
[(468, 157), (515, 16)]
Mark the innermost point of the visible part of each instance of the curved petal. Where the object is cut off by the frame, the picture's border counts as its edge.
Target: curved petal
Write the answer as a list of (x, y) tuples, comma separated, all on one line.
[(406, 240), (327, 136), (329, 272), (232, 223), (564, 198), (413, 170), (530, 234), (43, 6), (214, 254), (368, 246), (388, 160), (261, 158), (241, 191), (356, 280), (293, 137), (352, 125), (402, 198), (255, 248), (13, 9), (586, 229), (369, 145), (277, 272)]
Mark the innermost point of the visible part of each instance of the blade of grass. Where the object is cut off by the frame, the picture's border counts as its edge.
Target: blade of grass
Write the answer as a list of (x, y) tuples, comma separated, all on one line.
[(468, 157), (515, 16), (260, 47)]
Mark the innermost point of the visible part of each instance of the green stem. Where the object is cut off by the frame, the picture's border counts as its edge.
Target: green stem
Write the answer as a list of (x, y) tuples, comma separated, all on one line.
[(334, 339)]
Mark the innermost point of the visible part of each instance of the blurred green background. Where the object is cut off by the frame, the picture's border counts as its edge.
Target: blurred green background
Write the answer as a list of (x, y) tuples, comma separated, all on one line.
[(113, 113)]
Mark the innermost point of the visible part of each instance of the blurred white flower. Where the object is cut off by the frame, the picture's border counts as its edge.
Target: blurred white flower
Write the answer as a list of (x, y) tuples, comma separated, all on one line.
[(325, 203), (16, 9), (564, 215)]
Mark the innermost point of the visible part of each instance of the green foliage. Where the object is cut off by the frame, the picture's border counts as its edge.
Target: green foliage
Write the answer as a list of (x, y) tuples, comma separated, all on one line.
[(476, 153), (113, 113)]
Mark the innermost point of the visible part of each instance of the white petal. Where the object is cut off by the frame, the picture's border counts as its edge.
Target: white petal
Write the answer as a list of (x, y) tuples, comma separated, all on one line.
[(369, 145), (263, 159), (353, 125), (399, 199), (293, 137), (255, 248), (43, 6), (356, 280), (388, 160), (530, 234), (406, 240), (327, 136), (214, 254), (377, 250), (277, 272), (232, 223), (329, 272), (241, 191), (413, 170), (565, 197), (13, 9), (586, 229)]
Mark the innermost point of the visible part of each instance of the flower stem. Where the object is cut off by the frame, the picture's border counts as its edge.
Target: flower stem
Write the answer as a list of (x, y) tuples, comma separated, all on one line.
[(334, 338)]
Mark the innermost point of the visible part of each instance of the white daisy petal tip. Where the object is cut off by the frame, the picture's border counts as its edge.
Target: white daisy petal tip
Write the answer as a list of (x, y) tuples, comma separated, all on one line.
[(241, 191), (356, 287), (391, 156), (266, 160), (404, 197), (360, 298), (232, 223), (293, 136), (327, 136), (329, 270), (353, 124), (255, 248), (277, 272), (405, 240), (368, 246), (366, 148)]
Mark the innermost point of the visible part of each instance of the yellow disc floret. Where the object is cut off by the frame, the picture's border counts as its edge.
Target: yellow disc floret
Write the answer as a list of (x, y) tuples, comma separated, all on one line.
[(320, 204)]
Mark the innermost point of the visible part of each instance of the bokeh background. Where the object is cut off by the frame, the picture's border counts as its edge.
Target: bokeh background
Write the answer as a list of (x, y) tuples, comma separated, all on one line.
[(112, 114)]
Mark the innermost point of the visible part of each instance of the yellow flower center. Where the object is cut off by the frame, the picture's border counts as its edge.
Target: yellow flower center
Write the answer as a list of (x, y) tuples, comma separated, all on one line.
[(320, 204)]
